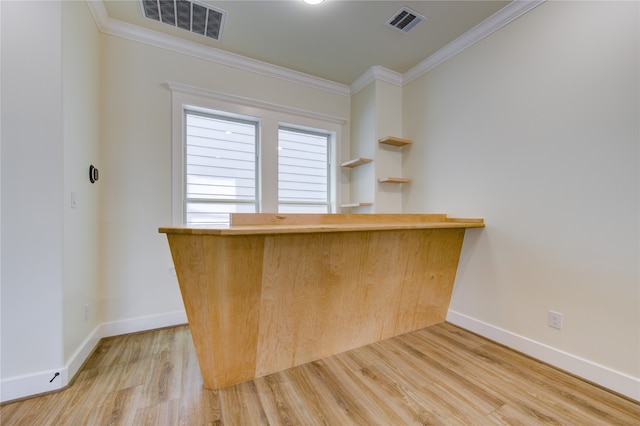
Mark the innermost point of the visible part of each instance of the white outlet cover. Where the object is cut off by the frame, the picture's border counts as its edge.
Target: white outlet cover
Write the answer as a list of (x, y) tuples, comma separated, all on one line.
[(555, 320)]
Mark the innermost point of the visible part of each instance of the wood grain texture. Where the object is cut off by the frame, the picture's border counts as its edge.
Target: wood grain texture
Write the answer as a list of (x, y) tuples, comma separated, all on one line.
[(395, 141), (314, 228), (263, 303), (353, 205), (394, 180), (252, 219), (220, 280), (356, 162), (440, 375)]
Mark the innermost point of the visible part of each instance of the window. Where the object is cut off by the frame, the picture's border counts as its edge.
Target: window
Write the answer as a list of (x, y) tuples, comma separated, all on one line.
[(220, 167), (303, 171), (233, 154)]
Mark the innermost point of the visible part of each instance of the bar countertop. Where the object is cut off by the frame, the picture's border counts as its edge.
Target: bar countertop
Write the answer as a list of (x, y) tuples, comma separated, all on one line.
[(266, 223)]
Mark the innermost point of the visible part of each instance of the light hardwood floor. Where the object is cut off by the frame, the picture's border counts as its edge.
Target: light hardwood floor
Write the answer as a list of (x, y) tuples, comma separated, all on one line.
[(437, 375)]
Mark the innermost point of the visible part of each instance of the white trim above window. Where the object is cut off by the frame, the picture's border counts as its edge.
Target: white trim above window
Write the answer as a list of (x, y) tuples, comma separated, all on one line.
[(239, 101)]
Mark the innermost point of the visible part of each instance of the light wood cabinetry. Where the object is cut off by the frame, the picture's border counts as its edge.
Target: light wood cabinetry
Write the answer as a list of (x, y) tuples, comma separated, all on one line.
[(272, 291)]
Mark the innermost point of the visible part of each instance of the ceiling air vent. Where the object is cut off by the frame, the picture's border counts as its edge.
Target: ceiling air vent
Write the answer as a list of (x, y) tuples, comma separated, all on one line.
[(405, 20), (187, 15)]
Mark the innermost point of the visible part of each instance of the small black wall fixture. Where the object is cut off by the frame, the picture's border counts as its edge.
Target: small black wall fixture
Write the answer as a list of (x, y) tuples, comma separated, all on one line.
[(93, 174)]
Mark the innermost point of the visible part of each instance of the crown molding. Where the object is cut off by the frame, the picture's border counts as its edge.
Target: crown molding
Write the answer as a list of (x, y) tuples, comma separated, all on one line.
[(99, 13), (376, 73), (128, 31), (504, 16)]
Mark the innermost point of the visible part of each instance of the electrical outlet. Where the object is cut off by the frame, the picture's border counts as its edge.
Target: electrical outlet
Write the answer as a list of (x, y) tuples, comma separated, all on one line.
[(555, 320), (86, 313)]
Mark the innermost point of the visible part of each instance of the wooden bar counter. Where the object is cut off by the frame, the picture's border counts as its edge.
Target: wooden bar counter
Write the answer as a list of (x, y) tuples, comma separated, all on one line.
[(270, 291)]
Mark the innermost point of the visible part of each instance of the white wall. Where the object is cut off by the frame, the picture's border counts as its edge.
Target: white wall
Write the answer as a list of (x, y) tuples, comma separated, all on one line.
[(388, 158), (362, 186), (81, 107), (536, 129), (136, 166), (50, 132), (32, 193), (376, 112)]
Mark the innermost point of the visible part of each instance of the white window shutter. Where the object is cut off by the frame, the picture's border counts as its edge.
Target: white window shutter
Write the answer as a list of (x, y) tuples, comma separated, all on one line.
[(303, 171), (220, 168)]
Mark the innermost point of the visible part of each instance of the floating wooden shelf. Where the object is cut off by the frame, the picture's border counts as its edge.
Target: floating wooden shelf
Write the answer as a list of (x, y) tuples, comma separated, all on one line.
[(352, 205), (356, 162), (394, 180), (395, 141)]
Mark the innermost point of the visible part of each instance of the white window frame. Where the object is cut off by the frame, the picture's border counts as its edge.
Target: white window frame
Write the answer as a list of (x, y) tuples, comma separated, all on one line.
[(270, 116)]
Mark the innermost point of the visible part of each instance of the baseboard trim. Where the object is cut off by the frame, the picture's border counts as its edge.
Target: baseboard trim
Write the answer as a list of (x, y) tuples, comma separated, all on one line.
[(606, 377), (77, 360), (144, 323), (30, 385)]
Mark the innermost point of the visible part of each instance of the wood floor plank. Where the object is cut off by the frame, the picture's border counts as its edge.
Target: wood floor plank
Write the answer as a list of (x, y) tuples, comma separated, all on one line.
[(472, 393), (355, 384), (200, 409), (440, 375), (240, 405), (362, 405), (532, 380), (408, 407), (515, 388), (421, 399), (282, 403), (565, 389), (320, 404), (420, 382)]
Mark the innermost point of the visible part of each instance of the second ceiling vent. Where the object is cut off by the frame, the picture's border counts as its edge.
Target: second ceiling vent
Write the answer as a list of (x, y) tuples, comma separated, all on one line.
[(187, 15), (405, 20)]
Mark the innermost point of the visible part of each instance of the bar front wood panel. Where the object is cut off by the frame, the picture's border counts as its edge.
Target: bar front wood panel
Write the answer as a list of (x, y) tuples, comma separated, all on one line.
[(220, 281), (258, 304)]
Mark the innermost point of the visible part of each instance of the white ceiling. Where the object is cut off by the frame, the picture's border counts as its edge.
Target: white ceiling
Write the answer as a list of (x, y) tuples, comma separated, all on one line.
[(338, 40)]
